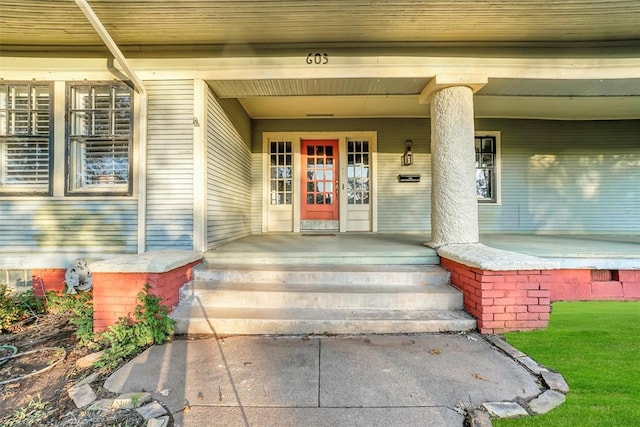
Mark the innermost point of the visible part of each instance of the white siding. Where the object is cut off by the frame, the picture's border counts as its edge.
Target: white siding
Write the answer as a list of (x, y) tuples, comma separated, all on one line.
[(229, 171), (170, 160), (68, 226)]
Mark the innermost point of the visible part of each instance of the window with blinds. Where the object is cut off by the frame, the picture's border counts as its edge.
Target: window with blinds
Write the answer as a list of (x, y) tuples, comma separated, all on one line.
[(25, 138), (100, 138)]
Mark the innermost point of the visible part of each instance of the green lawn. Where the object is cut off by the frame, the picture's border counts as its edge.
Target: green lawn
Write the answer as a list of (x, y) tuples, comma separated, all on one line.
[(596, 347)]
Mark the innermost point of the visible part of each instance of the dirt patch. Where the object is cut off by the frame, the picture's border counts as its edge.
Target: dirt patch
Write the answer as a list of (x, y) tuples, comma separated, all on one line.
[(44, 375)]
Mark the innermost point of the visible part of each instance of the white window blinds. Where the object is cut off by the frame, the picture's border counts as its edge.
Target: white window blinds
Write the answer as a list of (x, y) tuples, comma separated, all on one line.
[(100, 135), (25, 129)]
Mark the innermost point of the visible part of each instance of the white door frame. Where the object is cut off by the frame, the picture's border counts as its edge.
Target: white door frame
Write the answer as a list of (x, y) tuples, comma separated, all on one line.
[(294, 212)]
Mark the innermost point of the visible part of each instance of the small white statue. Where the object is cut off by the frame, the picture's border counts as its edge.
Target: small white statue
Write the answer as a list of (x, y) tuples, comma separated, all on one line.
[(78, 277)]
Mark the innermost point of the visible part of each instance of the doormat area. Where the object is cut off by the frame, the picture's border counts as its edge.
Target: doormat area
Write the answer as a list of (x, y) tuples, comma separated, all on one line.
[(318, 235)]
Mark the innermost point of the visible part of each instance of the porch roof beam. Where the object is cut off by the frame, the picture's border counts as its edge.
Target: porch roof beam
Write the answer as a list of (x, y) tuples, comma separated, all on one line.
[(110, 44)]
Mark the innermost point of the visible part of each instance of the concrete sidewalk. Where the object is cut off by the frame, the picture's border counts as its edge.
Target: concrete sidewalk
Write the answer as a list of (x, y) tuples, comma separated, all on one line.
[(378, 380)]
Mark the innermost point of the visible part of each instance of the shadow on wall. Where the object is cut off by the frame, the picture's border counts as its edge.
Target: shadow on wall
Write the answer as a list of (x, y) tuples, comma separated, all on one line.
[(576, 192)]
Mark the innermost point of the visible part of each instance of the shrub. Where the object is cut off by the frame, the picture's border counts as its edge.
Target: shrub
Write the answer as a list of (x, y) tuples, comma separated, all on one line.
[(150, 324), (18, 307), (80, 308)]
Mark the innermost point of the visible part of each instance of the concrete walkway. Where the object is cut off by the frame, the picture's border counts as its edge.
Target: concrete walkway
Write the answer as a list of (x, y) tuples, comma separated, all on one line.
[(374, 380)]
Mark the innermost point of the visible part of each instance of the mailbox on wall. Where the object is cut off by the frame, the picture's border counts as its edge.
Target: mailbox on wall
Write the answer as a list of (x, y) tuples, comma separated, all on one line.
[(409, 178)]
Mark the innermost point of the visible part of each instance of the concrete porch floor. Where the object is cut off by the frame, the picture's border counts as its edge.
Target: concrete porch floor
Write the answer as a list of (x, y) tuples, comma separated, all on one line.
[(604, 251), (329, 243)]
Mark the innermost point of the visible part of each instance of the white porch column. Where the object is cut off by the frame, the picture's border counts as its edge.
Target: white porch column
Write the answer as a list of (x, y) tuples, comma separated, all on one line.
[(454, 206)]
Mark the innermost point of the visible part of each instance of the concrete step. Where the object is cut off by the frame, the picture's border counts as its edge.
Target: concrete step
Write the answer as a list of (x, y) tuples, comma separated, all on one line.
[(315, 299), (243, 321), (330, 275), (318, 295), (424, 257)]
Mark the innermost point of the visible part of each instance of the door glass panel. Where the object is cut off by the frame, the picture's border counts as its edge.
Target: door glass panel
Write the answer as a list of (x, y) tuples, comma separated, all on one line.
[(281, 162), (320, 174), (358, 173)]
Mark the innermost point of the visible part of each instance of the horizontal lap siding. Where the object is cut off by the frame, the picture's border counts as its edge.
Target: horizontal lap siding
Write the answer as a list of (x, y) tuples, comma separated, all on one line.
[(68, 226), (170, 160), (228, 171), (402, 207), (566, 177)]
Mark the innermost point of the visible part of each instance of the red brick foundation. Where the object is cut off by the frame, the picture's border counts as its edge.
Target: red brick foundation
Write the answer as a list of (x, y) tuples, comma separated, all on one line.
[(577, 285), (115, 294), (48, 279), (503, 301)]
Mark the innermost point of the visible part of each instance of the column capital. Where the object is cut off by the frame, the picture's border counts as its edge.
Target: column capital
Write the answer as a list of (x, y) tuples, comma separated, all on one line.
[(441, 81)]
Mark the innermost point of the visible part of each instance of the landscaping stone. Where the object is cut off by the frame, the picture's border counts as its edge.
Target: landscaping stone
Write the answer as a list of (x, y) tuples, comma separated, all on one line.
[(505, 409), (505, 346), (88, 360), (532, 365), (131, 400), (102, 405), (158, 422), (88, 380), (555, 381), (547, 401), (479, 418), (152, 410), (82, 395)]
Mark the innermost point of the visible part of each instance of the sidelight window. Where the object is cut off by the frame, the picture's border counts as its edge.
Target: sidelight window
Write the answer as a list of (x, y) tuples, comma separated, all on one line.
[(281, 172)]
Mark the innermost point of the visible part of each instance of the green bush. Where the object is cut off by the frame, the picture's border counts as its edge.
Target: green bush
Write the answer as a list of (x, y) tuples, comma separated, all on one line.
[(18, 307), (150, 324), (80, 307)]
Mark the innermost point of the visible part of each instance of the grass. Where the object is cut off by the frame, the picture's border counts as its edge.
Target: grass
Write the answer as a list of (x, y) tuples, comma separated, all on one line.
[(596, 347)]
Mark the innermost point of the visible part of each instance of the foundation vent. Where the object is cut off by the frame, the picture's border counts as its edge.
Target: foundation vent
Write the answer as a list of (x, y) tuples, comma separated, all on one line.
[(604, 275)]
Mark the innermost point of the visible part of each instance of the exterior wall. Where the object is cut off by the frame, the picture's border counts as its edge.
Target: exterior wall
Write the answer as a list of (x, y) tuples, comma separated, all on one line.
[(115, 294), (503, 301), (70, 225), (566, 176), (229, 164), (169, 192), (557, 176), (48, 279), (578, 285), (402, 207)]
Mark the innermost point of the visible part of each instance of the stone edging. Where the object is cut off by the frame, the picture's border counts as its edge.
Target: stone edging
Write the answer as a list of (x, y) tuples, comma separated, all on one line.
[(84, 397), (553, 396)]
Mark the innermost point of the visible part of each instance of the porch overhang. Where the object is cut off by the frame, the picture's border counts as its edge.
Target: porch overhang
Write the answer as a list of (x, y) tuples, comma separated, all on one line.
[(568, 61)]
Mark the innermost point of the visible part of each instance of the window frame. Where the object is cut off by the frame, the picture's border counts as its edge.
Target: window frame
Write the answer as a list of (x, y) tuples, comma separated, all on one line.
[(71, 187), (496, 198), (8, 191)]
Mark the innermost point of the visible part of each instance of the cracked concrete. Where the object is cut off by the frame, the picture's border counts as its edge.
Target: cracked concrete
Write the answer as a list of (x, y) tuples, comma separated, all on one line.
[(372, 380)]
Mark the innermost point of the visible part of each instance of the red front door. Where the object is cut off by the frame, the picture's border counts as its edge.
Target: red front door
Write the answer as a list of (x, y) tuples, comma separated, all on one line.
[(319, 180)]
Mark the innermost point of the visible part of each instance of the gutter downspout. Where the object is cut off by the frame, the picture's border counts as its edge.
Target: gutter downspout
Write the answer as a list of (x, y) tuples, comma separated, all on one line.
[(142, 118)]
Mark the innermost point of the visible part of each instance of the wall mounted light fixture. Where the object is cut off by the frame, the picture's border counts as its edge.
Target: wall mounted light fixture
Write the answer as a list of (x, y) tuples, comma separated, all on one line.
[(407, 157)]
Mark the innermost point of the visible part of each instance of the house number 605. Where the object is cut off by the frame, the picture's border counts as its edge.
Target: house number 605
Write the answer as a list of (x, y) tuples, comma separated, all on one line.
[(317, 58)]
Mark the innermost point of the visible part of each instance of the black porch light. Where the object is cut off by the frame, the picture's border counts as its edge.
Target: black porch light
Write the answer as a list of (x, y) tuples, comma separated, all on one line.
[(407, 157)]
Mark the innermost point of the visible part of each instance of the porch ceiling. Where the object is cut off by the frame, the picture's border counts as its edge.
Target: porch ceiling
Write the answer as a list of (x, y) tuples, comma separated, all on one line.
[(462, 28), (501, 97), (181, 22)]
